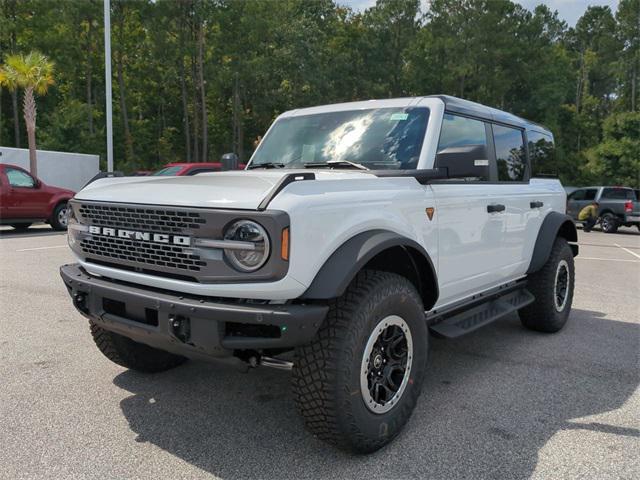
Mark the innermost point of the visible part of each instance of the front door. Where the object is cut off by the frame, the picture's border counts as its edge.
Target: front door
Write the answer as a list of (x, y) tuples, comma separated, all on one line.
[(471, 219), (579, 199), (26, 199)]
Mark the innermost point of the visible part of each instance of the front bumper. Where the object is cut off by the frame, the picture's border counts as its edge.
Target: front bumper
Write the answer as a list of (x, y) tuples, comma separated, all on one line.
[(196, 327)]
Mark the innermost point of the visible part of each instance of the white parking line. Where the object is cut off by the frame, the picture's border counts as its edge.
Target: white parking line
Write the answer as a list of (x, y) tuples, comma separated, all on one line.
[(627, 250), (41, 248), (607, 259)]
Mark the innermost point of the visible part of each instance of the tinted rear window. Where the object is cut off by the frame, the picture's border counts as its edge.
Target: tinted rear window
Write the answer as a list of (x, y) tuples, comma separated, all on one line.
[(541, 153), (510, 154)]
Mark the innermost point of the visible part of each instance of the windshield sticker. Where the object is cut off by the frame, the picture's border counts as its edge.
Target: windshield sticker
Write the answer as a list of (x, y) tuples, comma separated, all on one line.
[(399, 116)]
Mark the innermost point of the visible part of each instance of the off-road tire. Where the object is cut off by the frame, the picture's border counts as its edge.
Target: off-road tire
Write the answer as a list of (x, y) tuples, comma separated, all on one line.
[(326, 372), (133, 355), (55, 221), (609, 223), (543, 315)]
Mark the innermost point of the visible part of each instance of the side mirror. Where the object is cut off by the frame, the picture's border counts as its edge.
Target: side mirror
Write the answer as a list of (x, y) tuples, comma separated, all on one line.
[(229, 161), (37, 183), (470, 161)]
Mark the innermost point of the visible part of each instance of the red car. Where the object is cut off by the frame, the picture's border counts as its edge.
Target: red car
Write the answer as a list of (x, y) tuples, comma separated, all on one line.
[(179, 169), (25, 200)]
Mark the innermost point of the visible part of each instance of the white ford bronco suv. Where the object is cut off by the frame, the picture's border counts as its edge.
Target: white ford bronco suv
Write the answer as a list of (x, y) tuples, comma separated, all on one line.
[(356, 230)]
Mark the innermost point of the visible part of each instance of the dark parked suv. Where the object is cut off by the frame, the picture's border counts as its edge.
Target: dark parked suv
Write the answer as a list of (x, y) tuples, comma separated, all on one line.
[(617, 206)]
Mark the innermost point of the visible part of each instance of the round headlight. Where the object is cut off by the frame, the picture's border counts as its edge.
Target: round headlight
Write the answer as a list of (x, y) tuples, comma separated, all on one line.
[(256, 254)]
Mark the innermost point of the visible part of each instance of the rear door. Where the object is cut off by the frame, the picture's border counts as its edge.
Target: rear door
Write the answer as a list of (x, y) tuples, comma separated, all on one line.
[(526, 202), (469, 236)]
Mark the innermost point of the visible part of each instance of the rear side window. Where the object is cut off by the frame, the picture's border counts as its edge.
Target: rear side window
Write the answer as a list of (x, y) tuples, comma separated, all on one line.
[(510, 154), (461, 132), (17, 178), (618, 194), (541, 153)]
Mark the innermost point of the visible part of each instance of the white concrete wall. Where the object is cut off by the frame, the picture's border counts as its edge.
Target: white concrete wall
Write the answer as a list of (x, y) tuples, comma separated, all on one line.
[(58, 169)]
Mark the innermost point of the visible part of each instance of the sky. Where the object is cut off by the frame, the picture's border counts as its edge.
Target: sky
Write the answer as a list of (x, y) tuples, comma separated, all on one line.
[(568, 10)]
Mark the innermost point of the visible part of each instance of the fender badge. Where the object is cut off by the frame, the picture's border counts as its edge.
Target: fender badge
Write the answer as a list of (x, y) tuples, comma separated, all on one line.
[(430, 211)]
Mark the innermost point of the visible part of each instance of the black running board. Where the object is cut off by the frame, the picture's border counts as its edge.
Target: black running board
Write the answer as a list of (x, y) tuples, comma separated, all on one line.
[(480, 315)]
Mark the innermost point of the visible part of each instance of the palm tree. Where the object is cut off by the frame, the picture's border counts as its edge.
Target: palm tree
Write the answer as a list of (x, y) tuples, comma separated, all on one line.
[(10, 85), (34, 73)]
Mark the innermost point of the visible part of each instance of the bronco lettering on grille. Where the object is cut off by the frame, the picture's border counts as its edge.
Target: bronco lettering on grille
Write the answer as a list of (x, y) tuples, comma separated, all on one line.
[(141, 236)]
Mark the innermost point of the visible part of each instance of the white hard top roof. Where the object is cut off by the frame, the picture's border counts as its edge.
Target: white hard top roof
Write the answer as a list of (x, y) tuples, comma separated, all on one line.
[(364, 105)]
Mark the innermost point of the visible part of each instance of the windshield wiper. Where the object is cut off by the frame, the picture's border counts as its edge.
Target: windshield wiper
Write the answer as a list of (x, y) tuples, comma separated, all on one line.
[(266, 165), (336, 164)]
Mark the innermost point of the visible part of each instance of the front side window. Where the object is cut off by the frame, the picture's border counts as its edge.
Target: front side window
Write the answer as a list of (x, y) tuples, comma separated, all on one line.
[(380, 138), (461, 132), (577, 195), (510, 154), (18, 178), (462, 148)]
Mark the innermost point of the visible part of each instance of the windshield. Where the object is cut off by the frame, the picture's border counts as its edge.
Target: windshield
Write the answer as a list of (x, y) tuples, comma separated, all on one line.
[(167, 171), (378, 138)]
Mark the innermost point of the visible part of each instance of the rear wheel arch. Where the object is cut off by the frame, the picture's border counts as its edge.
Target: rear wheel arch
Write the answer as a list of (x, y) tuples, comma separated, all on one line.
[(553, 226), (604, 212), (381, 250)]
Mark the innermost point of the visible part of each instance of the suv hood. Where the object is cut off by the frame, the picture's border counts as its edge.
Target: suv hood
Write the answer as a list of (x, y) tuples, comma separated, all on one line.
[(236, 190)]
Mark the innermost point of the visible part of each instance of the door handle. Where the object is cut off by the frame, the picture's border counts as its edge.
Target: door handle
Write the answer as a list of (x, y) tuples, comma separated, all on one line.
[(495, 208), (536, 204)]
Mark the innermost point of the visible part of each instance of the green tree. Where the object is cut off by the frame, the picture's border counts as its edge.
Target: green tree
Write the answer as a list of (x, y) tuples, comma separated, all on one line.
[(34, 73), (616, 161), (628, 18)]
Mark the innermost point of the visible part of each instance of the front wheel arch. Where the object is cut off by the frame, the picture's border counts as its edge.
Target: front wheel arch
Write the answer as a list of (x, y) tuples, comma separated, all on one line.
[(381, 250), (53, 221)]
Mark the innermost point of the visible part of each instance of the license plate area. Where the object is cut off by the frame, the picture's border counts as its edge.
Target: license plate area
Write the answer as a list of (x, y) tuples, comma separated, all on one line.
[(146, 316)]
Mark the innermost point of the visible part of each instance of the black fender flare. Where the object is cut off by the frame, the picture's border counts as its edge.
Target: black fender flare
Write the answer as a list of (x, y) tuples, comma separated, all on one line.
[(346, 261), (554, 224)]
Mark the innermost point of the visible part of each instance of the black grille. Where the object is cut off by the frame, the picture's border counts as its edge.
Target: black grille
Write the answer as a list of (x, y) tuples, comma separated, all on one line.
[(150, 219), (144, 253)]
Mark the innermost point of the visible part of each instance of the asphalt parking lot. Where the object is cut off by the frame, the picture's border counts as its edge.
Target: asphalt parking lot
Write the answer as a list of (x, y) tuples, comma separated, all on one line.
[(500, 403)]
